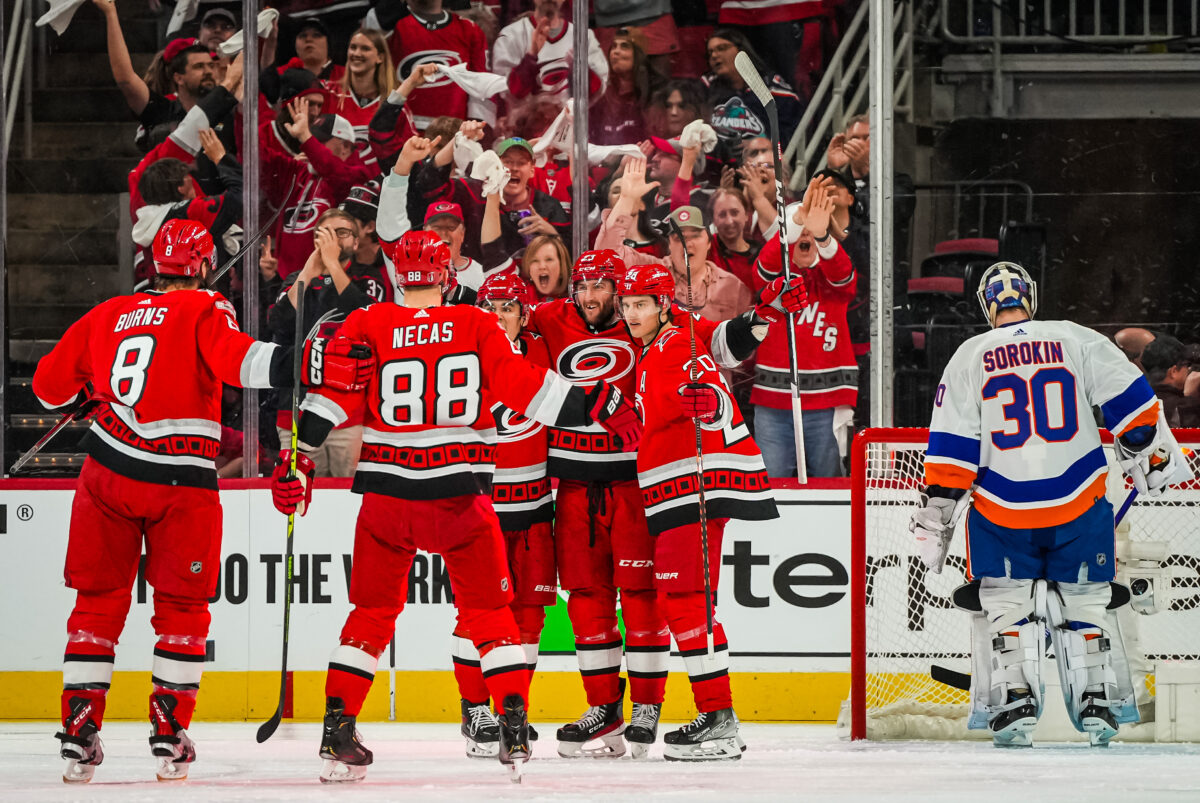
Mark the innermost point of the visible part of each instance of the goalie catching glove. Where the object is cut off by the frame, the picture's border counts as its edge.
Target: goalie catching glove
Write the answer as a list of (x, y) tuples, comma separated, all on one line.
[(608, 408), (782, 297), (292, 493), (933, 527), (338, 364), (1148, 459)]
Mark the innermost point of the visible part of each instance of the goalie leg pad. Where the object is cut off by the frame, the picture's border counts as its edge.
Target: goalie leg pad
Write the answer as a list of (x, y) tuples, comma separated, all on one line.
[(1007, 640), (1091, 657)]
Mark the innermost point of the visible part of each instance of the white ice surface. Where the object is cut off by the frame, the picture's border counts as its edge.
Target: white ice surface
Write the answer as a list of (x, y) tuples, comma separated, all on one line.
[(425, 762)]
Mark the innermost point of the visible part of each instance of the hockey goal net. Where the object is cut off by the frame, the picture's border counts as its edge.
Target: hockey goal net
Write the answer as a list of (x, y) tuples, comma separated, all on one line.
[(903, 623)]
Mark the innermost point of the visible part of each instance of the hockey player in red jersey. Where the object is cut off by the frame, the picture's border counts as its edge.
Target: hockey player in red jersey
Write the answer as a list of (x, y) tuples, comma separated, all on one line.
[(601, 538), (521, 497), (675, 390), (425, 473), (153, 364)]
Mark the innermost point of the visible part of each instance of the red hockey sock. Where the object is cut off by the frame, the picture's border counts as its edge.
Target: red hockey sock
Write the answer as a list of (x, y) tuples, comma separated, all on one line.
[(501, 658), (709, 676), (467, 671), (647, 645), (352, 665), (593, 613)]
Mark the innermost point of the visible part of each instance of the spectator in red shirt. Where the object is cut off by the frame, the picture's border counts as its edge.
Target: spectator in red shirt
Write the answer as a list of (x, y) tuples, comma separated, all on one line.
[(369, 78), (730, 213), (312, 54)]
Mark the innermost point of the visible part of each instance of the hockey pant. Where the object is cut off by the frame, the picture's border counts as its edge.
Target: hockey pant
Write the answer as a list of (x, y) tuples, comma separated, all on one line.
[(679, 576), (1009, 627), (531, 563), (603, 544), (465, 531), (111, 517)]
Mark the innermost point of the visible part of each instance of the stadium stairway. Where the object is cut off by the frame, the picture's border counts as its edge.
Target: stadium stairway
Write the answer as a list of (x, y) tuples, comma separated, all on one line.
[(66, 212)]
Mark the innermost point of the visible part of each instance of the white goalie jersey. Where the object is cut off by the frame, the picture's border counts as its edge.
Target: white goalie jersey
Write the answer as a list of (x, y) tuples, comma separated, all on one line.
[(1013, 417)]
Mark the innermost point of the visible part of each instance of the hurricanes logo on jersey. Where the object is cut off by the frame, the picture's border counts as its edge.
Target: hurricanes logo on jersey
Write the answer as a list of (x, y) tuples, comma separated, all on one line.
[(414, 60), (591, 360), (513, 426), (553, 75)]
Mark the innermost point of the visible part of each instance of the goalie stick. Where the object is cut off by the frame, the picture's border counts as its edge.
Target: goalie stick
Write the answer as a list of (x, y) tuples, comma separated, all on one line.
[(267, 729), (693, 375), (746, 69)]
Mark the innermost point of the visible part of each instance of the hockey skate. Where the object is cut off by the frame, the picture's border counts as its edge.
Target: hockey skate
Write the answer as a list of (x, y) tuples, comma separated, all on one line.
[(1097, 720), (1013, 725), (711, 736), (602, 723), (81, 745), (345, 758), (480, 729), (169, 743), (643, 728), (514, 748)]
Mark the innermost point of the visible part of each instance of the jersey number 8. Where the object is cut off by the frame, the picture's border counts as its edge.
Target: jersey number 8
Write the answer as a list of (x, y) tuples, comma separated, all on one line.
[(456, 384), (128, 375), (1035, 393)]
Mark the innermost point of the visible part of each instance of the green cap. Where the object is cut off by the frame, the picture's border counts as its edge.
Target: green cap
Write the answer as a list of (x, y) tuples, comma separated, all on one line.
[(503, 146)]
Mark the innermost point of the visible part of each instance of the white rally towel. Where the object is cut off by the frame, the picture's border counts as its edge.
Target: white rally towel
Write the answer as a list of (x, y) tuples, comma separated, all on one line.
[(184, 10), (491, 171), (466, 151), (698, 132), (234, 44), (60, 14), (479, 85)]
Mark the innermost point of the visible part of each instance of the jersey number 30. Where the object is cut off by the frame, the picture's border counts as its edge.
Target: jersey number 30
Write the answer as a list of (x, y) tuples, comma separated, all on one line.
[(455, 401), (1046, 389)]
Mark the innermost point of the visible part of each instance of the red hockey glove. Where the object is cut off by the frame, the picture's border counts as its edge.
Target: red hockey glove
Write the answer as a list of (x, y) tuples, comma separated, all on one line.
[(338, 364), (698, 400), (781, 297), (611, 410), (85, 404), (292, 493)]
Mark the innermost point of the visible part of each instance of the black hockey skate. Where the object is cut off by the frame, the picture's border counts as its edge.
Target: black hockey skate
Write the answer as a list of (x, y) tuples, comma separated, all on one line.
[(1097, 719), (169, 743), (643, 728), (1013, 725), (345, 758), (603, 723), (711, 736), (81, 745), (515, 747), (480, 729)]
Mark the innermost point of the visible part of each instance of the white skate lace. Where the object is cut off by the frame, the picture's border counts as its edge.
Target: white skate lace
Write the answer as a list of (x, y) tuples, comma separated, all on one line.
[(644, 716), (481, 717), (594, 716), (696, 724)]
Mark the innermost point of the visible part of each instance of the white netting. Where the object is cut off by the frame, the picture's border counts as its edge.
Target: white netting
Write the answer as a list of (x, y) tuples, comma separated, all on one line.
[(912, 626)]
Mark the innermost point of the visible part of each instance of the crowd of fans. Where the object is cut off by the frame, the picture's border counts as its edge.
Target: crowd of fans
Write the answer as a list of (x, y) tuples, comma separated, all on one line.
[(455, 117), (1172, 369)]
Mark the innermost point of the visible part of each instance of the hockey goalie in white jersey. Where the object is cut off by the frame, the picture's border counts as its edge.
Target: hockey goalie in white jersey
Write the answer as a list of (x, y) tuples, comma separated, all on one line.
[(1013, 437)]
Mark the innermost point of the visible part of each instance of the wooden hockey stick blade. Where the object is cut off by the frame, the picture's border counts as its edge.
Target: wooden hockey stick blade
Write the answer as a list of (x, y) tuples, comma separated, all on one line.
[(949, 677)]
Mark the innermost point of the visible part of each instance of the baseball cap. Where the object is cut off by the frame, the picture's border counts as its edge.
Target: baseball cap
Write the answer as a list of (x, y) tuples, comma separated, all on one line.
[(296, 81), (177, 46), (668, 145), (688, 217), (504, 145), (837, 176), (221, 13), (363, 201), (444, 208), (314, 24), (332, 126)]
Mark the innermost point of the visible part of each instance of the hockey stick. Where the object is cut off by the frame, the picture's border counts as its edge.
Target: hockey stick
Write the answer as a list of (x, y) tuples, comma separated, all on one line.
[(745, 68), (229, 263), (957, 680), (693, 375), (392, 680), (267, 729), (37, 447)]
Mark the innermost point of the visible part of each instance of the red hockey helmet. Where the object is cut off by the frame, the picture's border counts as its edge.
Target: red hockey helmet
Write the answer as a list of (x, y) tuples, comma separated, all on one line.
[(648, 280), (507, 287), (180, 247), (596, 265), (419, 257)]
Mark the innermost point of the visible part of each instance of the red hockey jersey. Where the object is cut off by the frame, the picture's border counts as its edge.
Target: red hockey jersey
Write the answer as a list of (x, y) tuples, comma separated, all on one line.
[(358, 114), (585, 357), (427, 433), (158, 361), (449, 40), (736, 485), (520, 486), (828, 373)]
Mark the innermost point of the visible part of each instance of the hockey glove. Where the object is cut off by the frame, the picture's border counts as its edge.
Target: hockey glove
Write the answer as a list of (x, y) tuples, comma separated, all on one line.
[(338, 364), (933, 527), (1150, 468), (84, 405), (608, 408), (698, 400), (781, 297), (292, 493)]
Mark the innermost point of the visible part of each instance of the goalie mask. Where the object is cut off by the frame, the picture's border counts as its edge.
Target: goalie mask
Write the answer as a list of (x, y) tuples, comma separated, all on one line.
[(1006, 285)]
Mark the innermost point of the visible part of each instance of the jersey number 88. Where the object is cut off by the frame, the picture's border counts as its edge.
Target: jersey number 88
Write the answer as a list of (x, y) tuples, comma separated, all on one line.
[(456, 396)]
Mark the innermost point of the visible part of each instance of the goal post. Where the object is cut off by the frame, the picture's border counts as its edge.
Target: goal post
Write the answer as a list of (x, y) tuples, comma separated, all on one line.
[(904, 627)]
